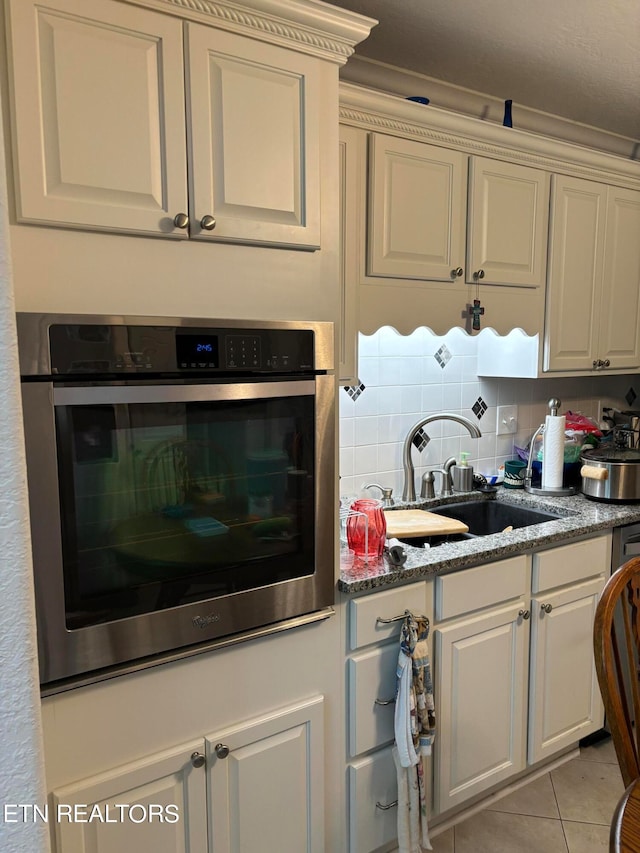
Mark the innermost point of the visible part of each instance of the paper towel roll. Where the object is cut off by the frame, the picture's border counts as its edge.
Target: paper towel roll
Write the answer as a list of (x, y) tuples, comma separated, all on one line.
[(553, 452)]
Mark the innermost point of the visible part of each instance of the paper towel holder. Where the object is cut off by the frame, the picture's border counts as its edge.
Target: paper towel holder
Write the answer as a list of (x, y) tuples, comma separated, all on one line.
[(560, 491)]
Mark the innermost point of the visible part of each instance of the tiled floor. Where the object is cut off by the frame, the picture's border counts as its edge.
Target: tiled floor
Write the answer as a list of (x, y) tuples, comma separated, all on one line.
[(568, 810)]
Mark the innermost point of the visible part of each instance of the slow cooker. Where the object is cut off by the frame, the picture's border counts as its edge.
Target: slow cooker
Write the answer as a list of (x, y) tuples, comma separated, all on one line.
[(611, 474)]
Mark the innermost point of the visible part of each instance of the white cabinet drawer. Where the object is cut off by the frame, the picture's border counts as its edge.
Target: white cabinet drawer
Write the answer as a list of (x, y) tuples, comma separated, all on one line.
[(372, 780), (482, 586), (571, 563), (364, 627), (372, 675)]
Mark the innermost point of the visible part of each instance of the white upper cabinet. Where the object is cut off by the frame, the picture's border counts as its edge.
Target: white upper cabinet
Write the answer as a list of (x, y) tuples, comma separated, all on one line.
[(426, 214), (508, 223), (619, 333), (117, 126), (416, 209), (253, 139), (593, 299), (98, 115)]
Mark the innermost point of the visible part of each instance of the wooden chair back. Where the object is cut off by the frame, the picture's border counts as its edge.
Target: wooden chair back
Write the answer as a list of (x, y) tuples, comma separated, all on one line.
[(616, 643)]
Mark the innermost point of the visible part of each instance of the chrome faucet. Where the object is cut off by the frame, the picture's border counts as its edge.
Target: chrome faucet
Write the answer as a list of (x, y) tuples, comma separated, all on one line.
[(409, 490)]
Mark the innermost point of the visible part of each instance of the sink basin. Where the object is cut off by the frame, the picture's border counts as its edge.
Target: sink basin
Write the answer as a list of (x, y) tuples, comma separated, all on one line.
[(485, 517)]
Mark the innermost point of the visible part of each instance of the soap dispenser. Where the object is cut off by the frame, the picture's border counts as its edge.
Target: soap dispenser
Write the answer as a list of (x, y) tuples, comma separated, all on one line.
[(462, 474)]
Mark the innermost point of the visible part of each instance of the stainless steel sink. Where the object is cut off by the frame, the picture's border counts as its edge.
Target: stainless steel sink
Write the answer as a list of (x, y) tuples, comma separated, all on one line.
[(485, 517)]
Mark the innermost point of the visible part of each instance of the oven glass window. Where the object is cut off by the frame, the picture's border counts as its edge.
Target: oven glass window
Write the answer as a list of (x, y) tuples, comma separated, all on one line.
[(169, 504)]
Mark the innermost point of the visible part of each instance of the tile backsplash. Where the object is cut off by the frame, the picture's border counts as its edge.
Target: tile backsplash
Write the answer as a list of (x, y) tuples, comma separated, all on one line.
[(406, 377)]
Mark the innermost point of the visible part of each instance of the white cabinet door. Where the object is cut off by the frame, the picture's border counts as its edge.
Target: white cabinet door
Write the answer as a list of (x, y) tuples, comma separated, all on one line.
[(266, 783), (508, 223), (619, 340), (578, 214), (373, 802), (417, 209), (137, 804), (372, 693), (253, 114), (98, 115), (564, 698), (482, 665)]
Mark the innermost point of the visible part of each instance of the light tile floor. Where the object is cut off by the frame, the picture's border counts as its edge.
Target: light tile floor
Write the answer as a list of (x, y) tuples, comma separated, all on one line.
[(568, 810)]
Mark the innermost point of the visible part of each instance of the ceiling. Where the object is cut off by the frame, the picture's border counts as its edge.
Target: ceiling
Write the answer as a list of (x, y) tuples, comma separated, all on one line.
[(579, 59)]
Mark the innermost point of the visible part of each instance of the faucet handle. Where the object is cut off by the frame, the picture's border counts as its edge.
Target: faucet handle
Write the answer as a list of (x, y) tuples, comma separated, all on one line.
[(428, 489), (387, 491)]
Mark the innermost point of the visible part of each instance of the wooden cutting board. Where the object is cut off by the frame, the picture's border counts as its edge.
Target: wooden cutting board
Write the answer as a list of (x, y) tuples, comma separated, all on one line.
[(418, 522)]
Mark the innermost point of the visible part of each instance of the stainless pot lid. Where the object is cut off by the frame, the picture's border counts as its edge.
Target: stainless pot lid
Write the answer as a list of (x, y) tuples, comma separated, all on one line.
[(611, 455)]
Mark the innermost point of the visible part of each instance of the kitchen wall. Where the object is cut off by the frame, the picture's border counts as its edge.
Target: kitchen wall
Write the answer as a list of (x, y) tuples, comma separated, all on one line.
[(404, 378)]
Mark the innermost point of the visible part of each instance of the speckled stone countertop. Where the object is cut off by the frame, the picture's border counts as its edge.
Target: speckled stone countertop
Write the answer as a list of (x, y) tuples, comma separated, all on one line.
[(580, 516)]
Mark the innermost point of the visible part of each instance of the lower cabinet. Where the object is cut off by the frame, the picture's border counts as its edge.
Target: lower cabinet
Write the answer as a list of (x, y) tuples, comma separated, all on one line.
[(481, 703), (373, 633), (373, 792), (255, 786), (481, 662), (515, 683), (135, 807)]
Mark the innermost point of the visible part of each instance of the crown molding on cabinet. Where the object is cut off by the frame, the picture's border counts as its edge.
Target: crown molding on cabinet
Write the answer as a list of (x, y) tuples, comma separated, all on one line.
[(393, 114), (311, 27), (363, 71)]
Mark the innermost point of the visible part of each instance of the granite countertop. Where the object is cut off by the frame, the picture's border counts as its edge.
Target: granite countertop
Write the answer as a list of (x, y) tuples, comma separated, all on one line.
[(580, 517)]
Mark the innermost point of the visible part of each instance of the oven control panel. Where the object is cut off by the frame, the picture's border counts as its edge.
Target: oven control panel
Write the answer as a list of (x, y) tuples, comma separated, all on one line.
[(129, 349)]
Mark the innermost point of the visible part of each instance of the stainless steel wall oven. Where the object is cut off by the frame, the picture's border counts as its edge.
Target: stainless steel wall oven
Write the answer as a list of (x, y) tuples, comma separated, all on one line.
[(181, 483)]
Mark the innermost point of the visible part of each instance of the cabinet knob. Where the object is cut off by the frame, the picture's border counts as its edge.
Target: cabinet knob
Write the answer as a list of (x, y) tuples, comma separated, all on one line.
[(607, 362), (546, 608), (456, 272), (524, 613), (221, 750), (478, 274), (181, 220), (197, 759), (207, 223), (595, 362)]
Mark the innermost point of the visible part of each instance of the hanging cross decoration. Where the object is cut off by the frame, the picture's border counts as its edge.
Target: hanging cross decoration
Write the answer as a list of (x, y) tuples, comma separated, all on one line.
[(476, 311)]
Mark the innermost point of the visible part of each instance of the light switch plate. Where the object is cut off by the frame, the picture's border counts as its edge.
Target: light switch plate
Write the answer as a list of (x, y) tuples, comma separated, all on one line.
[(507, 421)]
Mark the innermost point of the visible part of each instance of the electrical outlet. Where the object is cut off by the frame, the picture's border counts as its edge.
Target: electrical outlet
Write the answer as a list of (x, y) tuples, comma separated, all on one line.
[(507, 421)]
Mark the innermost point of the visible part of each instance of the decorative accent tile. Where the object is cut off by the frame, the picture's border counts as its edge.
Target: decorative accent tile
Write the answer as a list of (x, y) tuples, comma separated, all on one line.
[(479, 408), (354, 391), (443, 356), (630, 396), (420, 440)]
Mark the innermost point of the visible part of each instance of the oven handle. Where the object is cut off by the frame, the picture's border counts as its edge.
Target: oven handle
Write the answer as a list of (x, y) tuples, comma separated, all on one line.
[(91, 395)]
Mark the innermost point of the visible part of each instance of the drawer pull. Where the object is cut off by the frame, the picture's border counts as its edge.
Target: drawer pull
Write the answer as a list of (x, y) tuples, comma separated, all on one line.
[(386, 808), (384, 701), (399, 618)]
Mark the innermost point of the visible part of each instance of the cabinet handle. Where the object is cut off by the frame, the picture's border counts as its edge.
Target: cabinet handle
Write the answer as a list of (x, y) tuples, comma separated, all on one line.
[(385, 808), (456, 272), (384, 701), (478, 274), (221, 750), (181, 220), (207, 223), (596, 362), (197, 759), (607, 363), (524, 613), (546, 608)]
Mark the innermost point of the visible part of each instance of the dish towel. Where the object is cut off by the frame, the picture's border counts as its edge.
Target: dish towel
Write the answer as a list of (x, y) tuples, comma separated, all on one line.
[(414, 725)]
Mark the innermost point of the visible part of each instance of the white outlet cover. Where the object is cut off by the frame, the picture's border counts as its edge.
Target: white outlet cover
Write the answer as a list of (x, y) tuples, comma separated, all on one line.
[(507, 420)]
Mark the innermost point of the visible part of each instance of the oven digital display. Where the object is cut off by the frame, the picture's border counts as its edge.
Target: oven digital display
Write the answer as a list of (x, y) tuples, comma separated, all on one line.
[(194, 351)]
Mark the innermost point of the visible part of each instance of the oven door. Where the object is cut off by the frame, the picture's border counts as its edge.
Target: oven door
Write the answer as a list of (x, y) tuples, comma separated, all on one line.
[(167, 515)]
